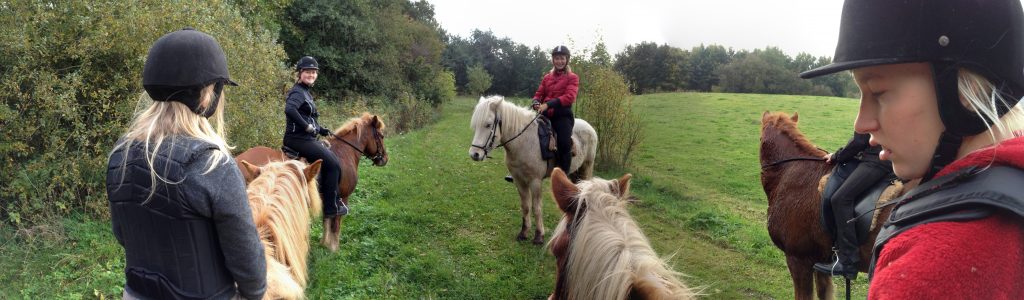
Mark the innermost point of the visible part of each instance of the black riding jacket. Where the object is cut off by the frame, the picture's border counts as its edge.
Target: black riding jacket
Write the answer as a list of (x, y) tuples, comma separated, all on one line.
[(300, 112), (193, 238)]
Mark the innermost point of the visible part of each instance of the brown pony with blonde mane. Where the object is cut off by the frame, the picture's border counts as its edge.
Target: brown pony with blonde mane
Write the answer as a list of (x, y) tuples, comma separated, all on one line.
[(359, 137), (284, 197), (792, 175), (600, 250)]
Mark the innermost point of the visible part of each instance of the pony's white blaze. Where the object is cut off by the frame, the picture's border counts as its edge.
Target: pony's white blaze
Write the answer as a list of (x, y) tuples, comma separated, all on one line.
[(522, 152)]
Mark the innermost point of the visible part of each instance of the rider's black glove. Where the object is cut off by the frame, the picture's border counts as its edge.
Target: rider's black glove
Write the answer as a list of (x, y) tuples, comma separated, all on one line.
[(324, 131)]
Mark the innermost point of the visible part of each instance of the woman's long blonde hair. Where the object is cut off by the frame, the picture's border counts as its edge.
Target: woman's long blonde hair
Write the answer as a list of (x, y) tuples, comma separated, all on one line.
[(163, 119), (982, 97)]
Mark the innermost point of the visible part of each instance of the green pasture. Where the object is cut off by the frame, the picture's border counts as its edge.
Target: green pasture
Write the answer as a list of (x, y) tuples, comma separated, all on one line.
[(435, 224)]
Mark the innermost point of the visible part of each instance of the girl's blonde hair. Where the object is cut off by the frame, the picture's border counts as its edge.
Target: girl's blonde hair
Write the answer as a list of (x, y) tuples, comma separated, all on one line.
[(163, 119), (982, 97)]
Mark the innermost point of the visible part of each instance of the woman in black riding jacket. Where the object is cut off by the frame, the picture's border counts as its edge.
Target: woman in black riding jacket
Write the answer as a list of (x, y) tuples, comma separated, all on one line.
[(870, 170), (178, 204), (301, 129)]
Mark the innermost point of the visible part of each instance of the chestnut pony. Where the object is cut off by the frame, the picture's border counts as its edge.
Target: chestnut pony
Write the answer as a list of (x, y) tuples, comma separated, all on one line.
[(601, 253), (359, 137), (284, 197), (792, 173)]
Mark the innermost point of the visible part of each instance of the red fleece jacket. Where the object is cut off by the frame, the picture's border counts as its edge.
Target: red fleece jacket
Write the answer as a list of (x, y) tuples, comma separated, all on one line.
[(980, 259)]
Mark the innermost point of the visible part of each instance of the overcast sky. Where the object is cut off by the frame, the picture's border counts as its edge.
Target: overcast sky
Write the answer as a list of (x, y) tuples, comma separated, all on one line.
[(794, 26)]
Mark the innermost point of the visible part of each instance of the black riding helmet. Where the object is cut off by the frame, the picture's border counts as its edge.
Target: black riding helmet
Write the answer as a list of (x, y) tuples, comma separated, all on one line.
[(986, 37), (306, 62), (563, 50), (180, 64)]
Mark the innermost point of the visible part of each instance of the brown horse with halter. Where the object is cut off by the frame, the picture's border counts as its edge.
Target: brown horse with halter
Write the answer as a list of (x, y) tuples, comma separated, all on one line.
[(359, 137), (601, 252), (792, 173)]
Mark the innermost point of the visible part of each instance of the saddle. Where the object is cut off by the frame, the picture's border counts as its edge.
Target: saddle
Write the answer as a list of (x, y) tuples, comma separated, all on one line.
[(548, 142), (869, 199), (292, 154)]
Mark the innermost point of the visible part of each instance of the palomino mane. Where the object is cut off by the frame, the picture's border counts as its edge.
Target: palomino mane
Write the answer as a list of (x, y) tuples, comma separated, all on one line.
[(511, 114), (608, 251), (282, 204), (353, 124), (782, 122)]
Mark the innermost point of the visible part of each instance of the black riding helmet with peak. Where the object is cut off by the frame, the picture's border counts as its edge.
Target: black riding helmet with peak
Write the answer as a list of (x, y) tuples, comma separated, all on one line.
[(180, 64), (560, 50), (986, 37), (305, 63)]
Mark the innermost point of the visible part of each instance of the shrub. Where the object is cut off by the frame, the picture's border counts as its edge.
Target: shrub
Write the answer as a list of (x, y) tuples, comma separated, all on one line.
[(479, 81), (72, 82), (605, 102)]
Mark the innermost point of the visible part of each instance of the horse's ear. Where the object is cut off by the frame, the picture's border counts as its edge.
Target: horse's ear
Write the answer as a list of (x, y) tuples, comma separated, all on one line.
[(624, 185), (373, 120), (764, 116), (563, 189), (311, 170), (249, 171), (482, 99), (795, 117)]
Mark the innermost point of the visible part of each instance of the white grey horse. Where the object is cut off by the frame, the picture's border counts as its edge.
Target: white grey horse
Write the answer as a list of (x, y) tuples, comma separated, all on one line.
[(499, 123)]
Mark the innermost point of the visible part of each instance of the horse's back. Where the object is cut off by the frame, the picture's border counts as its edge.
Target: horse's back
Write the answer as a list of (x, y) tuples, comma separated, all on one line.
[(260, 156)]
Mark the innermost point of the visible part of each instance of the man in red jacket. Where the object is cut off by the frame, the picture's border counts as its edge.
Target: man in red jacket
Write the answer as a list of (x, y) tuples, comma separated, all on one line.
[(940, 81), (554, 97)]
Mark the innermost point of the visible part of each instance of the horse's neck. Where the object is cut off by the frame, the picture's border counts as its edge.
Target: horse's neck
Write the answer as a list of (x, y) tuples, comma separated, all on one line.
[(345, 151), (513, 121)]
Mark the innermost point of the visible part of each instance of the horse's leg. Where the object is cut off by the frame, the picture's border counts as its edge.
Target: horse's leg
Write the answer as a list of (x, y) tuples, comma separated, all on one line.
[(336, 232), (803, 277), (823, 284), (325, 238), (524, 207), (538, 215)]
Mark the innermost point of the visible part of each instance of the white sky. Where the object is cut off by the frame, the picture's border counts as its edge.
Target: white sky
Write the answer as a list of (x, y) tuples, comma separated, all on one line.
[(794, 26)]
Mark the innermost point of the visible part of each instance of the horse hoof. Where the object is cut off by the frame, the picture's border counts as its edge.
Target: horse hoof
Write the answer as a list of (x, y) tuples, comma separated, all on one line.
[(537, 240), (521, 237)]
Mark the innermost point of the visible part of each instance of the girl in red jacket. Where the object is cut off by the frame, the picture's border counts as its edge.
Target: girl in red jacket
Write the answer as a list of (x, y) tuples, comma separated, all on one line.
[(940, 81), (554, 97)]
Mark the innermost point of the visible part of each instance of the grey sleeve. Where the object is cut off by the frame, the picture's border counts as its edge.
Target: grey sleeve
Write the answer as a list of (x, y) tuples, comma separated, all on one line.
[(226, 202)]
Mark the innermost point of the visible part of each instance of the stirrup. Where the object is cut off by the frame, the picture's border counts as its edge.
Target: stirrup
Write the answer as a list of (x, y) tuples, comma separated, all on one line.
[(509, 178)]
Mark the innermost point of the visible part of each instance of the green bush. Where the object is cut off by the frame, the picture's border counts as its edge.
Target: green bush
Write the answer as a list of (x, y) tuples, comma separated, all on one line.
[(72, 80), (605, 102), (479, 81)]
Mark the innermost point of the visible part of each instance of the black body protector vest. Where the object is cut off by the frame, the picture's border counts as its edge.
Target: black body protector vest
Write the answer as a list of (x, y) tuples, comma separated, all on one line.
[(169, 250), (969, 194)]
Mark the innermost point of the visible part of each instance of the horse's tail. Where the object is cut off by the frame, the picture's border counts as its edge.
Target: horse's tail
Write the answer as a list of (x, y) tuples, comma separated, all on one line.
[(588, 137)]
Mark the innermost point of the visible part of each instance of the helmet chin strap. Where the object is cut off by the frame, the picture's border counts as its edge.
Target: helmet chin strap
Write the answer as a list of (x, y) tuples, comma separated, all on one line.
[(951, 111)]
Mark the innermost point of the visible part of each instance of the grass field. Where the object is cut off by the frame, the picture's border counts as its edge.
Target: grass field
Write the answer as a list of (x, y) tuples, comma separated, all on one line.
[(434, 224)]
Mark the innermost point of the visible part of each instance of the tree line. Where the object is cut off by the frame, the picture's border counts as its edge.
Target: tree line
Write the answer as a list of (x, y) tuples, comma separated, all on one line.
[(515, 69)]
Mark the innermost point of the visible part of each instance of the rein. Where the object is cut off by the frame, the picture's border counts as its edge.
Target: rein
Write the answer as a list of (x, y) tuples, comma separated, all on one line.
[(779, 162)]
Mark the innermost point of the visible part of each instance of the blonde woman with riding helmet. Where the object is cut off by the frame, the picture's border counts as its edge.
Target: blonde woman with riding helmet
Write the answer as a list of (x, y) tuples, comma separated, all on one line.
[(940, 82), (177, 201)]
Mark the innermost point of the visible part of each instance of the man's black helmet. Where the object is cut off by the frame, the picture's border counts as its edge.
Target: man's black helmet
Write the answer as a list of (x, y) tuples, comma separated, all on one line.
[(307, 62), (984, 36), (563, 50), (181, 63)]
